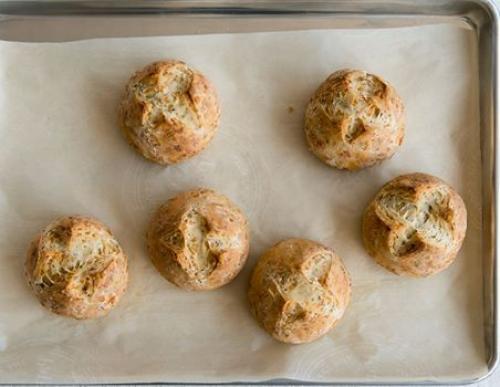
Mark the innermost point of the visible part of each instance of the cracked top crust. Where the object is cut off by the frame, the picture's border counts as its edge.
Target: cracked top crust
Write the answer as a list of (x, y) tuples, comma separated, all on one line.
[(169, 112), (199, 240), (354, 120), (299, 289), (77, 268), (415, 225)]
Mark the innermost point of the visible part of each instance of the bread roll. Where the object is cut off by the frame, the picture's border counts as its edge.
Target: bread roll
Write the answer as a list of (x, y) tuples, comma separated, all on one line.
[(299, 289), (170, 112), (415, 225), (199, 240), (354, 120), (77, 268)]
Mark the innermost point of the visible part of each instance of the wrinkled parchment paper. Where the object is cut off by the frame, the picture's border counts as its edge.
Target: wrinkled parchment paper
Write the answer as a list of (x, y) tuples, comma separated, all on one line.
[(62, 153)]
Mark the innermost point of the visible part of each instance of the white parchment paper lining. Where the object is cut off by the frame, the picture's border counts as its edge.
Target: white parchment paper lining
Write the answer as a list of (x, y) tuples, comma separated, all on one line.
[(62, 153)]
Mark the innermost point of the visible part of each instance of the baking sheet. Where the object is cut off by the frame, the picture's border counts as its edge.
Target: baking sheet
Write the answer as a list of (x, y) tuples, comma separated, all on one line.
[(62, 153)]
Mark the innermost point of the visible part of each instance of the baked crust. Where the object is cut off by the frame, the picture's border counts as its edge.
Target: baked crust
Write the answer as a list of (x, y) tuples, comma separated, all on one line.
[(354, 120), (77, 268), (415, 225), (199, 240), (169, 112), (299, 290)]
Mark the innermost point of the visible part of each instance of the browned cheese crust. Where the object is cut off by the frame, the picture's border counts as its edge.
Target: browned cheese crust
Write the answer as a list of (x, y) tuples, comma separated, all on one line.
[(77, 268), (299, 289), (415, 225), (169, 112), (199, 240), (354, 120)]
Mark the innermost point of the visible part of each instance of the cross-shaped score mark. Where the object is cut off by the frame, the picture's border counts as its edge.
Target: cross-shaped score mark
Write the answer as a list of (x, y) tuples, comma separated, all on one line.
[(413, 220), (302, 289), (202, 246)]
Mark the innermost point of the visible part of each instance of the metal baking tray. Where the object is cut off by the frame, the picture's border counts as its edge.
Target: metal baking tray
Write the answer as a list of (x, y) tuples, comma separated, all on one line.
[(38, 21)]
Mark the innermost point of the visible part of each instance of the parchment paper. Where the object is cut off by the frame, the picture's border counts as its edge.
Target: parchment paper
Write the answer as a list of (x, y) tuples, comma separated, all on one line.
[(62, 153)]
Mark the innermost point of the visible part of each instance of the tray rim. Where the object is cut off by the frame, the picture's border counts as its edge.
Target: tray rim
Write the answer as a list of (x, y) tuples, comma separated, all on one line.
[(483, 17)]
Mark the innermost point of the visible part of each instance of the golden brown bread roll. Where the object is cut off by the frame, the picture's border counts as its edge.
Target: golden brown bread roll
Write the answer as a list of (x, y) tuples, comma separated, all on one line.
[(415, 225), (354, 120), (199, 240), (77, 268), (170, 112), (299, 289)]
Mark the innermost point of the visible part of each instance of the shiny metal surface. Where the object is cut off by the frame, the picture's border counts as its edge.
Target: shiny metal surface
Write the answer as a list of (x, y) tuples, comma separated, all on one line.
[(70, 20)]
